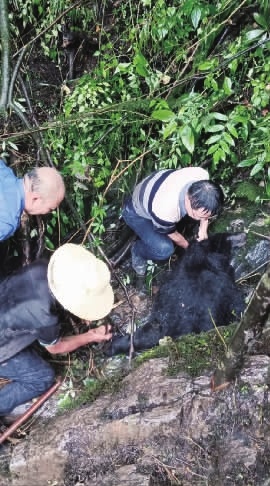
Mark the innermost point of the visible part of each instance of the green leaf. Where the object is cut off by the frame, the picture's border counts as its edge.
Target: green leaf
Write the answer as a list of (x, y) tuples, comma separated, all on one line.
[(169, 129), (159, 103), (141, 70), (246, 163), (215, 128), (212, 149), (228, 139), (163, 115), (233, 65), (227, 86), (219, 116), (232, 130), (140, 59), (187, 137), (123, 67), (213, 139), (257, 168), (140, 64), (267, 189), (260, 20), (206, 66), (218, 155), (254, 34), (196, 17), (12, 145), (239, 118), (48, 243), (225, 147)]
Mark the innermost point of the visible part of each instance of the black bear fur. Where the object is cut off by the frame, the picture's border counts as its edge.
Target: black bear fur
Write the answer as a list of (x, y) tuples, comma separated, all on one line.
[(200, 290)]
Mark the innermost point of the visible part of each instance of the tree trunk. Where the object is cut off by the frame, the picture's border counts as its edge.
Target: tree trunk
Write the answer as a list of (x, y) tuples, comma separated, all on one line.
[(249, 329)]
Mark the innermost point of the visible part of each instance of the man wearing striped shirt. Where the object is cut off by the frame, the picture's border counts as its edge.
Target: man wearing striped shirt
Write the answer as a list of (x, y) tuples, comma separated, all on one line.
[(159, 202)]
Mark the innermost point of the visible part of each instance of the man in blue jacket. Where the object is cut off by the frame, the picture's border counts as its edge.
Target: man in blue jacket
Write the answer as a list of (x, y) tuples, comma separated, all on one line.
[(39, 192)]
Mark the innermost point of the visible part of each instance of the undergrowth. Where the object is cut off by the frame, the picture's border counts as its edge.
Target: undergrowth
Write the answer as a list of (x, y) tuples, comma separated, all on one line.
[(192, 354)]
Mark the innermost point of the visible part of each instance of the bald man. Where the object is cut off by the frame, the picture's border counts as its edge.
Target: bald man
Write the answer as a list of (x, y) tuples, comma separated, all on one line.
[(39, 192)]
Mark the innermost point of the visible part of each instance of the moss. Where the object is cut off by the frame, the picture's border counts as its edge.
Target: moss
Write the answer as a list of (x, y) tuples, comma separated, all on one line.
[(248, 190), (252, 217), (93, 390), (191, 353)]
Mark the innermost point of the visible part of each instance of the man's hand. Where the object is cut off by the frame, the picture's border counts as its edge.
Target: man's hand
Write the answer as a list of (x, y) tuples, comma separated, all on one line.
[(100, 334), (178, 239)]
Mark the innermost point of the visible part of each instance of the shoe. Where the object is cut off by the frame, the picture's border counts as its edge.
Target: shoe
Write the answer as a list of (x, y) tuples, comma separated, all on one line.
[(8, 420), (16, 413), (139, 264), (140, 285)]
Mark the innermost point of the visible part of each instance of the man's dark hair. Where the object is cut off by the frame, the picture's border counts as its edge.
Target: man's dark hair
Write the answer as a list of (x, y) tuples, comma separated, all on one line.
[(206, 195), (34, 179)]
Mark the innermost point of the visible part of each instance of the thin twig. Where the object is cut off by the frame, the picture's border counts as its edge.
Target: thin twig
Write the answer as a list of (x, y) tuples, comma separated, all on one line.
[(259, 234), (14, 76), (39, 135), (252, 273), (131, 347), (41, 230), (215, 28), (217, 330)]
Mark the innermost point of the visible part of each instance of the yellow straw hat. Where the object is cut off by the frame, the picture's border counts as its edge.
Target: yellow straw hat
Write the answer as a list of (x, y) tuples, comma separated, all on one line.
[(80, 282)]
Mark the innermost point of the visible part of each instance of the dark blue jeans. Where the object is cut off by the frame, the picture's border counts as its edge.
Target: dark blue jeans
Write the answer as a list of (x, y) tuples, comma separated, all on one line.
[(151, 245), (30, 376)]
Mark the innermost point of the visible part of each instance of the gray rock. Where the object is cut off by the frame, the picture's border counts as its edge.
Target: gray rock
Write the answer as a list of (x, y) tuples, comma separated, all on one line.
[(155, 428), (259, 254)]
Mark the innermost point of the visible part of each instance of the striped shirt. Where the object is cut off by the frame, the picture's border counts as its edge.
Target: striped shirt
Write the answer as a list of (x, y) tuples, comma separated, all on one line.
[(160, 197)]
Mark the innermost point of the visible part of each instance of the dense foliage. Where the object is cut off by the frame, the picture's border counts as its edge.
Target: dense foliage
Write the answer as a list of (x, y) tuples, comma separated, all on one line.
[(171, 84)]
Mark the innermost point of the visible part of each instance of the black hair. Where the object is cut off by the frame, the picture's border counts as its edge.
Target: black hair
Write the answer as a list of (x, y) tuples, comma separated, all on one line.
[(206, 195), (34, 179)]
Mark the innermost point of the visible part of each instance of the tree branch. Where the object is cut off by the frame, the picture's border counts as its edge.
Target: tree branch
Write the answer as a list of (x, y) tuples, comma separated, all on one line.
[(5, 62)]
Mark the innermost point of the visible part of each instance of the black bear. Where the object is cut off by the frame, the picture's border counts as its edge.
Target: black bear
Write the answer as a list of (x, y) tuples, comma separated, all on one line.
[(200, 291)]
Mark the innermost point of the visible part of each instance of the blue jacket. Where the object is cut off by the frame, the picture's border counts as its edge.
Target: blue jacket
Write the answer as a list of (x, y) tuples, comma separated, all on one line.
[(11, 201)]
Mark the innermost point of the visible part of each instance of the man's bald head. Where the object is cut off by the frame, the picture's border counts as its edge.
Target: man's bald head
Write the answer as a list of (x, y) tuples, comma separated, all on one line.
[(44, 190)]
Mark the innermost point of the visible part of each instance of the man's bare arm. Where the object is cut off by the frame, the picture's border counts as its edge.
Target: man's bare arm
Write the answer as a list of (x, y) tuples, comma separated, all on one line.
[(178, 239), (70, 343), (202, 233)]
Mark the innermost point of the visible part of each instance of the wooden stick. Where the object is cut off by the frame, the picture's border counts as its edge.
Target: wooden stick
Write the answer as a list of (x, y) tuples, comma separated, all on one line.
[(30, 411)]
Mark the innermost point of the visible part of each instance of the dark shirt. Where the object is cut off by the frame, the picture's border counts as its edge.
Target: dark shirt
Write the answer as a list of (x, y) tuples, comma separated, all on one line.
[(27, 310), (12, 201)]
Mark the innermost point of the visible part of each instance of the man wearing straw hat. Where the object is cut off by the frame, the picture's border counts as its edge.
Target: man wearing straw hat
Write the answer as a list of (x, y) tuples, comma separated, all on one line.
[(77, 280)]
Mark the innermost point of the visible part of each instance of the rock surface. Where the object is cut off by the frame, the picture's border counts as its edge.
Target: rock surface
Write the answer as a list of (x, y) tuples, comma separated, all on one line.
[(156, 430)]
